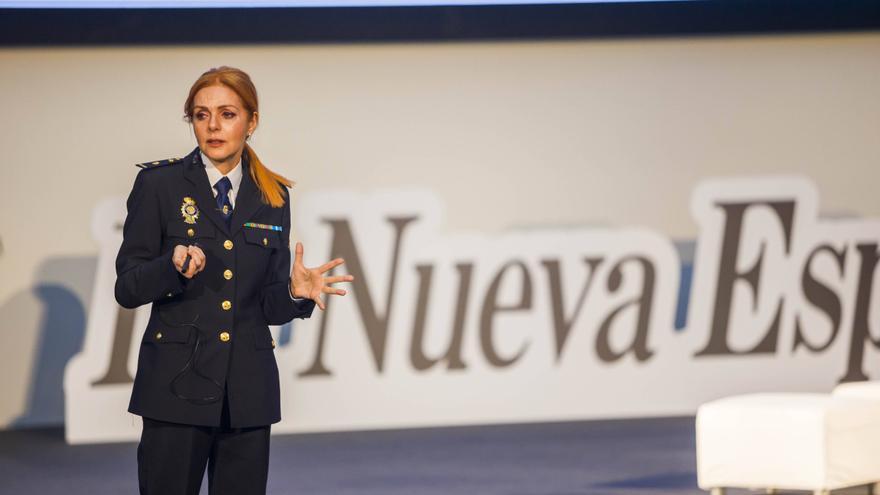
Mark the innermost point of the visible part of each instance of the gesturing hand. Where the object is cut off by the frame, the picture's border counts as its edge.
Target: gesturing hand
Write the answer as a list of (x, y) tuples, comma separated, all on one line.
[(310, 283)]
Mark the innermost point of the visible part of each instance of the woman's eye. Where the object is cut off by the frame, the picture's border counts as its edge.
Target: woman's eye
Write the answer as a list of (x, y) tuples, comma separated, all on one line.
[(200, 116), (228, 115)]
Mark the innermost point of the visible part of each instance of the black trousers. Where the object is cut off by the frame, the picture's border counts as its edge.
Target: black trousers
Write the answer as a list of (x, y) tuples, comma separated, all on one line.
[(172, 457)]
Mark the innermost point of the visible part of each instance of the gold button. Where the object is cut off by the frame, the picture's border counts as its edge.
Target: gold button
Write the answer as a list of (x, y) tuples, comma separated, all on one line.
[(158, 335), (190, 232), (227, 274), (226, 305), (224, 336), (227, 244), (273, 343), (265, 241)]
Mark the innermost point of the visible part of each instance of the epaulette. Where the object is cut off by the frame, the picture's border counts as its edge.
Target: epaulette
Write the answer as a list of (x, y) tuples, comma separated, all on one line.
[(160, 163)]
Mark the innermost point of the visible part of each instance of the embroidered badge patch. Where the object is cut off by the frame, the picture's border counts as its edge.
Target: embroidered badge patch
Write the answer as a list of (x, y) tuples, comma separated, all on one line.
[(189, 210)]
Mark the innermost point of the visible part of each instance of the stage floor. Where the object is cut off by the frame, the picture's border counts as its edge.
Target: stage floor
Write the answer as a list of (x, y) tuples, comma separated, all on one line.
[(637, 456)]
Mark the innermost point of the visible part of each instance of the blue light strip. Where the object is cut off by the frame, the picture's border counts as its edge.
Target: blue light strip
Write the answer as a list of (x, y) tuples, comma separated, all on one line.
[(210, 4)]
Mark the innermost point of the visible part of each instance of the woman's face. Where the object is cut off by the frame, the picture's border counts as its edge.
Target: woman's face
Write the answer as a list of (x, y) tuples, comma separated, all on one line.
[(221, 123)]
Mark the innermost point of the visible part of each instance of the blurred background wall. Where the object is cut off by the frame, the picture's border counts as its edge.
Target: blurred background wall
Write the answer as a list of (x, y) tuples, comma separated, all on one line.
[(508, 133)]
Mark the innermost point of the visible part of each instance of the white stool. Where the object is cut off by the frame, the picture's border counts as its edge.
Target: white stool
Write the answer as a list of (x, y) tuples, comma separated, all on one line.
[(866, 390), (858, 390), (788, 441)]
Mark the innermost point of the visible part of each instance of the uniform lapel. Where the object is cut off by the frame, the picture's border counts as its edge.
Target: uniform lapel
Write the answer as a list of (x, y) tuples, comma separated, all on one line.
[(248, 199), (194, 171)]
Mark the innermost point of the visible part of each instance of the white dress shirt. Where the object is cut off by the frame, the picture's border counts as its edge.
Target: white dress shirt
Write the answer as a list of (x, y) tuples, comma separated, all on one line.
[(214, 175), (235, 178)]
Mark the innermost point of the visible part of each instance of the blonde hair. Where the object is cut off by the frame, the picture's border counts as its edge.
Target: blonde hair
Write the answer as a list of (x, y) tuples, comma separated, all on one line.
[(271, 185)]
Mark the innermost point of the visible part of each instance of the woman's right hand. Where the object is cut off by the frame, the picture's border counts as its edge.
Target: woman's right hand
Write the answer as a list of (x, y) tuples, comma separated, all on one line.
[(196, 264)]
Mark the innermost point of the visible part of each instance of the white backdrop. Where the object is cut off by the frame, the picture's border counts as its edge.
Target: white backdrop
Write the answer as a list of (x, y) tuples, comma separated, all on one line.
[(499, 148)]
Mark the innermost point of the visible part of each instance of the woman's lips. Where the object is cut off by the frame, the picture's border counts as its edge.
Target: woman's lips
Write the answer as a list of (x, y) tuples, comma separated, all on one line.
[(215, 142)]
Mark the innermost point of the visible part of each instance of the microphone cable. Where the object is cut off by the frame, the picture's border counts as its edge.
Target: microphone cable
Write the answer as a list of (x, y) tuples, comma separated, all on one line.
[(192, 362)]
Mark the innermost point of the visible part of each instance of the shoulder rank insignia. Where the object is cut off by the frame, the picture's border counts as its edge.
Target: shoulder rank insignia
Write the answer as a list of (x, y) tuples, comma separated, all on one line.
[(189, 211), (159, 163)]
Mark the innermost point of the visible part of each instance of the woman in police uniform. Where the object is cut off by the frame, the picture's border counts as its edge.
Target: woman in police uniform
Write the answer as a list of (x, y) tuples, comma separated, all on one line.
[(207, 242)]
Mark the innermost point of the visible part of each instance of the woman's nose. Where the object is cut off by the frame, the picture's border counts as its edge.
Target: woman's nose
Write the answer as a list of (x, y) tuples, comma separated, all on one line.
[(213, 122)]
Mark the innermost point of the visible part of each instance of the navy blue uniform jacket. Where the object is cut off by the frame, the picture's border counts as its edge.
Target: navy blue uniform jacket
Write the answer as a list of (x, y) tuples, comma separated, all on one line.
[(242, 290)]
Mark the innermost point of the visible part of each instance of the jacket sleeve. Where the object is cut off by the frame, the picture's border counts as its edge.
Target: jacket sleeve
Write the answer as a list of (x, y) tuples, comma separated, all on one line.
[(143, 273), (279, 307)]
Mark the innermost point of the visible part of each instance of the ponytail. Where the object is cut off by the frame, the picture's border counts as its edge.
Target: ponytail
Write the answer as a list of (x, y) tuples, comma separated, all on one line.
[(272, 186)]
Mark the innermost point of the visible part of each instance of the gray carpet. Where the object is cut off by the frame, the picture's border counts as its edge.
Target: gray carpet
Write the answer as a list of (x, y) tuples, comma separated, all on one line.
[(643, 456)]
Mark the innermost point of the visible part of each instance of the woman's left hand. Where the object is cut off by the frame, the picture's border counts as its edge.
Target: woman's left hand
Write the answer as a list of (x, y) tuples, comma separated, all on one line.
[(309, 283)]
